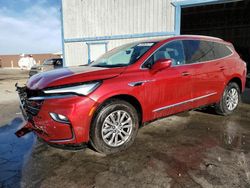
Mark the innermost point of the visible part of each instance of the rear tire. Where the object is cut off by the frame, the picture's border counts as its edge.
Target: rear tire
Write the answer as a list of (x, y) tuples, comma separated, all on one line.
[(114, 127), (229, 100)]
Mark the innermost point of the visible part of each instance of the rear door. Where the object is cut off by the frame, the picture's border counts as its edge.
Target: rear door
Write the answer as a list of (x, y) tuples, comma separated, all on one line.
[(222, 53), (208, 75)]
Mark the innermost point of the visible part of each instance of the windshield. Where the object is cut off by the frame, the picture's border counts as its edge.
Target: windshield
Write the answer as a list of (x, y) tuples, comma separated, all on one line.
[(123, 55)]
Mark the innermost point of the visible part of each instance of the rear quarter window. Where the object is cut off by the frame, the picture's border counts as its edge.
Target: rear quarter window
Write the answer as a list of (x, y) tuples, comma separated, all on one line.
[(201, 51), (221, 50)]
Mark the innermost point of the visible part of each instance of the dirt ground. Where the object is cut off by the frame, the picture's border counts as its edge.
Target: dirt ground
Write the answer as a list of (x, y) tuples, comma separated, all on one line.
[(191, 149), (8, 95)]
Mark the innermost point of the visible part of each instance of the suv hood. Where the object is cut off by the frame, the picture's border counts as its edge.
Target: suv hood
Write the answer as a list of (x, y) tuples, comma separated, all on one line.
[(71, 75)]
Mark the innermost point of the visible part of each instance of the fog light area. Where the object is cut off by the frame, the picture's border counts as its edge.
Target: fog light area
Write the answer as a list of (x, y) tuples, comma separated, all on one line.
[(59, 117)]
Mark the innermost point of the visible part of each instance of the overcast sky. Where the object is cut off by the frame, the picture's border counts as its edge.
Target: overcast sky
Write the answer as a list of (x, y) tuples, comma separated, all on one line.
[(30, 26)]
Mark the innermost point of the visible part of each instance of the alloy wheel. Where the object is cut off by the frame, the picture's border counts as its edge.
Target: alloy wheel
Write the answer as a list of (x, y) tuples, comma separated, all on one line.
[(117, 128), (232, 99)]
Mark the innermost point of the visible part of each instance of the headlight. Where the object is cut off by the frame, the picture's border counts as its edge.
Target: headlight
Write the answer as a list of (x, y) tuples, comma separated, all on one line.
[(83, 89)]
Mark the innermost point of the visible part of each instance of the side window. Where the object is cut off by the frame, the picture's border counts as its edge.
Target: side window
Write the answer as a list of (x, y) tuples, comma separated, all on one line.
[(207, 49), (198, 51), (191, 48), (172, 50), (221, 50)]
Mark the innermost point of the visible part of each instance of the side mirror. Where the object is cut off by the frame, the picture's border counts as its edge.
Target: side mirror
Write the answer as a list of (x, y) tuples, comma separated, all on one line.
[(161, 64)]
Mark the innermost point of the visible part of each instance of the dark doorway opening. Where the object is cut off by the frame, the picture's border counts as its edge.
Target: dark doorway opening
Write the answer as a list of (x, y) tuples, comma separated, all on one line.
[(229, 21)]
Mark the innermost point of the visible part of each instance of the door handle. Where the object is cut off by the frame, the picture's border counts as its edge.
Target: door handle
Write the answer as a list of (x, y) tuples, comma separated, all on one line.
[(185, 73)]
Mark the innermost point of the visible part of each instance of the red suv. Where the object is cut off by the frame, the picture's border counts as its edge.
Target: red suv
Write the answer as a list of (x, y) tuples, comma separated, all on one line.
[(105, 102)]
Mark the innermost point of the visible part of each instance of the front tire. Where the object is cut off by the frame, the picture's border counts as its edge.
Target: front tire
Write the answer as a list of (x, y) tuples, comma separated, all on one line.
[(230, 100), (114, 127)]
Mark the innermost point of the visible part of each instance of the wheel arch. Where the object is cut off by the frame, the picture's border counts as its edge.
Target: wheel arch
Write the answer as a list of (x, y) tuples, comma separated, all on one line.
[(125, 97), (238, 81)]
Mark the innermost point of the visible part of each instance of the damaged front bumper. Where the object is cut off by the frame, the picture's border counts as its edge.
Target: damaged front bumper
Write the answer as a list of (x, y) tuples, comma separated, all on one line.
[(21, 96), (41, 113), (29, 128), (30, 125), (40, 121)]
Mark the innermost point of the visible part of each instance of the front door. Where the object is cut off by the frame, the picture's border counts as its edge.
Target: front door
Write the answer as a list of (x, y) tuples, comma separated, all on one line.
[(168, 91)]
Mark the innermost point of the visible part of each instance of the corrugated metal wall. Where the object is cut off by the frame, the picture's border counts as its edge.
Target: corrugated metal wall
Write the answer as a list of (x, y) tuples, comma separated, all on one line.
[(76, 53), (93, 18)]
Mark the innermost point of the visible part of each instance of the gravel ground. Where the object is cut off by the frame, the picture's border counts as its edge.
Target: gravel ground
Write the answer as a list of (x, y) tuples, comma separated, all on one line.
[(191, 149)]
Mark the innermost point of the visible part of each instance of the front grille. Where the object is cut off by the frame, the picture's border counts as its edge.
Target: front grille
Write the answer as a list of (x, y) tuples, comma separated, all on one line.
[(31, 107)]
